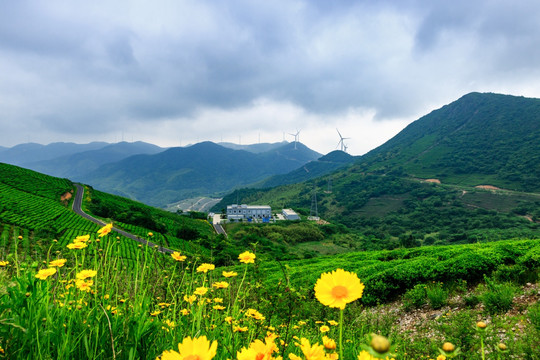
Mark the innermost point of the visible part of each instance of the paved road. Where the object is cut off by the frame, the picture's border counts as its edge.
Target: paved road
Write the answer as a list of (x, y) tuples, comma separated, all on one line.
[(216, 222), (77, 207)]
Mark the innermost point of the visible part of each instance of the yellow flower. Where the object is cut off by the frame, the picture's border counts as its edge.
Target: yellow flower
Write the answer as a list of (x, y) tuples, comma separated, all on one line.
[(218, 300), (4, 263), (324, 329), (441, 357), (219, 307), (200, 291), (252, 313), (190, 299), (228, 274), (155, 313), (240, 328), (105, 230), (150, 234), (58, 263), (332, 322), (247, 257), (184, 312), (192, 349), (176, 256), (20, 237), (328, 343), (84, 285), (205, 267), (77, 245), (43, 274), (258, 350), (228, 320), (294, 357), (312, 352), (364, 355), (221, 285), (338, 288), (85, 274), (81, 238)]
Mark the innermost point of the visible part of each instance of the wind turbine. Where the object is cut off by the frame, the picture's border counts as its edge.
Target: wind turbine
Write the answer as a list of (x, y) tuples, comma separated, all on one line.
[(341, 138), (296, 137)]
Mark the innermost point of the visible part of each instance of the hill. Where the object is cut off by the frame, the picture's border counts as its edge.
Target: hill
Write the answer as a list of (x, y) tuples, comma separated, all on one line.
[(202, 169), (38, 206), (476, 140), (383, 197), (75, 166), (322, 166)]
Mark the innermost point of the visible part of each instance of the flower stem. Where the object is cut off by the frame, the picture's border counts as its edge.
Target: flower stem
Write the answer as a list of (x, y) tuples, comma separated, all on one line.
[(341, 334)]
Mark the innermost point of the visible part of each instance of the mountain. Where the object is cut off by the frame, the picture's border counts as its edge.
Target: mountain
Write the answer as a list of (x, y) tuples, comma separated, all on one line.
[(31, 152), (322, 166), (254, 148), (202, 169), (75, 166), (478, 139), (434, 181)]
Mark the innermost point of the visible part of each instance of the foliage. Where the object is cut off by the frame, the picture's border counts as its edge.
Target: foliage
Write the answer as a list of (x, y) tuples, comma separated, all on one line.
[(414, 298), (437, 295), (498, 298)]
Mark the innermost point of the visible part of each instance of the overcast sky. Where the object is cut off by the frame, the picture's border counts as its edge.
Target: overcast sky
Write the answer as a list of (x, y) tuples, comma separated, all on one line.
[(178, 72)]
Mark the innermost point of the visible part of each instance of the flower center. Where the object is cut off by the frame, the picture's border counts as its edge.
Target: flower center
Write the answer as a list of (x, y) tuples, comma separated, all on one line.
[(339, 291), (259, 356), (192, 357)]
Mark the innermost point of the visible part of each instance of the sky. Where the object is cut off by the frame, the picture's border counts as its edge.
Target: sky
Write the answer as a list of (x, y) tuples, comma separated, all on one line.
[(174, 73)]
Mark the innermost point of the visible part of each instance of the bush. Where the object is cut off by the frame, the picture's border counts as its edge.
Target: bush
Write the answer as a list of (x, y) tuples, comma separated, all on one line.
[(534, 315), (414, 298), (498, 298), (471, 300), (437, 296)]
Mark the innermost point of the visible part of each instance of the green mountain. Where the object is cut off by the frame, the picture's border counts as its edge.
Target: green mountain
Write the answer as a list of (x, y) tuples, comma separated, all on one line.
[(322, 166), (75, 166), (480, 139), (202, 169)]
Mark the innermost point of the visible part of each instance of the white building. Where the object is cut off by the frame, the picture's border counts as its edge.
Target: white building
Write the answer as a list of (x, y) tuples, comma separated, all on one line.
[(241, 212), (290, 214)]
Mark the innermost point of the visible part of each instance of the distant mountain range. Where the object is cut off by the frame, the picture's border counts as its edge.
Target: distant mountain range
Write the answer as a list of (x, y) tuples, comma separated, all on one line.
[(78, 165), (31, 152), (202, 169)]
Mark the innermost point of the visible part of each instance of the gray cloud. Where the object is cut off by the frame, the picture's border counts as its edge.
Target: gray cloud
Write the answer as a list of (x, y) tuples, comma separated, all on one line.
[(83, 69)]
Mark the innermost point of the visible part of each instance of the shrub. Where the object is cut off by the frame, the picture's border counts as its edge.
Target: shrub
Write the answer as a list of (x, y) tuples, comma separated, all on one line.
[(515, 273), (534, 315), (471, 300), (498, 298), (414, 298), (437, 296)]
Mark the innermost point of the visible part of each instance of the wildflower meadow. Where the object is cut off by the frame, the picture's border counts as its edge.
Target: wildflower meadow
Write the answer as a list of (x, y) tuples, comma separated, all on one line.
[(82, 302)]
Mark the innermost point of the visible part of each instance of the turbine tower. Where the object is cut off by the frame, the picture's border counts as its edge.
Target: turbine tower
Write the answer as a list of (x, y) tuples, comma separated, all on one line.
[(296, 137), (341, 142)]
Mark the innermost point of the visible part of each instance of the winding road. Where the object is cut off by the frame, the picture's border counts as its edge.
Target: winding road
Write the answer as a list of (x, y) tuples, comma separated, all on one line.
[(77, 208)]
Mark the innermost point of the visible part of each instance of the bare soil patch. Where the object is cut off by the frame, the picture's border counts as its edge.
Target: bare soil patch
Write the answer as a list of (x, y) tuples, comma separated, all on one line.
[(66, 196), (435, 181), (487, 187)]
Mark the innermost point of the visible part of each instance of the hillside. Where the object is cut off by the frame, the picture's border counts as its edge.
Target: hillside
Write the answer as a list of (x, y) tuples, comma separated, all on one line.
[(39, 206), (383, 196), (202, 169), (322, 166), (476, 140)]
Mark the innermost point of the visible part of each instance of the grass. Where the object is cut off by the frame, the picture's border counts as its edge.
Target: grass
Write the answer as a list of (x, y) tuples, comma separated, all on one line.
[(141, 311)]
